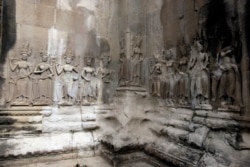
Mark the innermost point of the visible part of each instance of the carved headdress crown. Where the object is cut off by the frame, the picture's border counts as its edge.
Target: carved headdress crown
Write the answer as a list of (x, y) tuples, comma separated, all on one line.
[(137, 40), (26, 49), (69, 54), (44, 51)]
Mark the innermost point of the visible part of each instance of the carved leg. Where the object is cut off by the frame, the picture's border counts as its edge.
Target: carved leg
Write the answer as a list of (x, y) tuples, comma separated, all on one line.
[(214, 88), (158, 92)]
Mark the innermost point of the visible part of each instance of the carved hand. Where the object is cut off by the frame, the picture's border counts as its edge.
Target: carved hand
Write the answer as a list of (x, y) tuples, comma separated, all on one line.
[(50, 76), (182, 73)]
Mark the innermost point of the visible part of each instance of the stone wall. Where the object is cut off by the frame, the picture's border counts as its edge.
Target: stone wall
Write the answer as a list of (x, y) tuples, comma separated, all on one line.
[(125, 83)]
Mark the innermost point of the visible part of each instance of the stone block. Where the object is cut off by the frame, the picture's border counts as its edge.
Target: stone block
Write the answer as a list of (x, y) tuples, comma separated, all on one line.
[(34, 14), (71, 21)]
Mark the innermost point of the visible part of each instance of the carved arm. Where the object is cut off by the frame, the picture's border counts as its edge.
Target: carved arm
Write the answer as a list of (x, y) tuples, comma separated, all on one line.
[(12, 66), (59, 69)]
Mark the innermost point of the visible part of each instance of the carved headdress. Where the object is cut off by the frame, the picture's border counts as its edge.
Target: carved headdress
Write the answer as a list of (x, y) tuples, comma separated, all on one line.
[(89, 57), (69, 54), (26, 49), (44, 51), (137, 40)]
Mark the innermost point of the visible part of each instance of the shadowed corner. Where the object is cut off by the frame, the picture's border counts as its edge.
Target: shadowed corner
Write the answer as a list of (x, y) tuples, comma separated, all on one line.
[(5, 126), (247, 24), (8, 35), (8, 39), (4, 149), (9, 28)]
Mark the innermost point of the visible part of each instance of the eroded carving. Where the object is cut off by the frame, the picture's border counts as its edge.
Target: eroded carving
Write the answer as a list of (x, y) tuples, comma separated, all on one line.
[(136, 61), (68, 80), (89, 84), (107, 77), (157, 77), (227, 72), (123, 71), (199, 75), (170, 77), (43, 80), (183, 82), (21, 77)]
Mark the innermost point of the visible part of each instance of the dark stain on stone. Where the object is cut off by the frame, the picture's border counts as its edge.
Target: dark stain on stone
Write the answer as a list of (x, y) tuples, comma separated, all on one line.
[(216, 25), (247, 28), (9, 27), (8, 34)]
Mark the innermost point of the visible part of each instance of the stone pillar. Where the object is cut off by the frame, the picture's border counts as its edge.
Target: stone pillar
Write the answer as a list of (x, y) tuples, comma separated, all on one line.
[(128, 43), (242, 11)]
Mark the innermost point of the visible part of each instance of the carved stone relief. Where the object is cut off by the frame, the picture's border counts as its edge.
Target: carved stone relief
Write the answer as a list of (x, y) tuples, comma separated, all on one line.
[(183, 82), (89, 85), (136, 61), (170, 77), (131, 68), (199, 75), (184, 96), (225, 71), (19, 80), (157, 77), (124, 68), (68, 80), (107, 77), (50, 82), (42, 80)]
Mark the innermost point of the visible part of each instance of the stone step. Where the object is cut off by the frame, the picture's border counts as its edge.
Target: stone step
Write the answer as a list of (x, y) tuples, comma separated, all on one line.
[(8, 120), (72, 118), (175, 133), (64, 126), (182, 114), (176, 153), (25, 111), (90, 126), (16, 129), (182, 117), (61, 126), (179, 124), (46, 143)]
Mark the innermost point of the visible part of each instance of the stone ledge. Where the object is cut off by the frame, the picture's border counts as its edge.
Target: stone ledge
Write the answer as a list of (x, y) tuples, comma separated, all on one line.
[(52, 159), (25, 111), (42, 144), (155, 155)]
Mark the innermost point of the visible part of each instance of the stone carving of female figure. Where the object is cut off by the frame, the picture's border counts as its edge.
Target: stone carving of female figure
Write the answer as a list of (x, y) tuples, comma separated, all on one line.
[(68, 80), (123, 73), (199, 75), (22, 77), (106, 77), (170, 77), (183, 79), (89, 87), (183, 82), (44, 80), (137, 58), (230, 81), (157, 78)]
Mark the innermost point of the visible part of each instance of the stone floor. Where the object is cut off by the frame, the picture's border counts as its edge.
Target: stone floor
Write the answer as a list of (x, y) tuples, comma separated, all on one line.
[(65, 160)]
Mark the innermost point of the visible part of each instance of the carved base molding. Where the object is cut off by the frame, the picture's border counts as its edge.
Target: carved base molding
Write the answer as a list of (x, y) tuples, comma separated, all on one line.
[(153, 155), (24, 111), (178, 137), (72, 157), (22, 120)]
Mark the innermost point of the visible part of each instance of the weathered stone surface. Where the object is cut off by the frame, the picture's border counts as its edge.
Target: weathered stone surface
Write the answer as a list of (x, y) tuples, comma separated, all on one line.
[(144, 83), (34, 14), (46, 143), (198, 137)]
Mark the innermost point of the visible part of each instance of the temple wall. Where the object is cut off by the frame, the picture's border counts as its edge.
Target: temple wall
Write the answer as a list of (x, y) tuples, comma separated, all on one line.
[(125, 83)]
